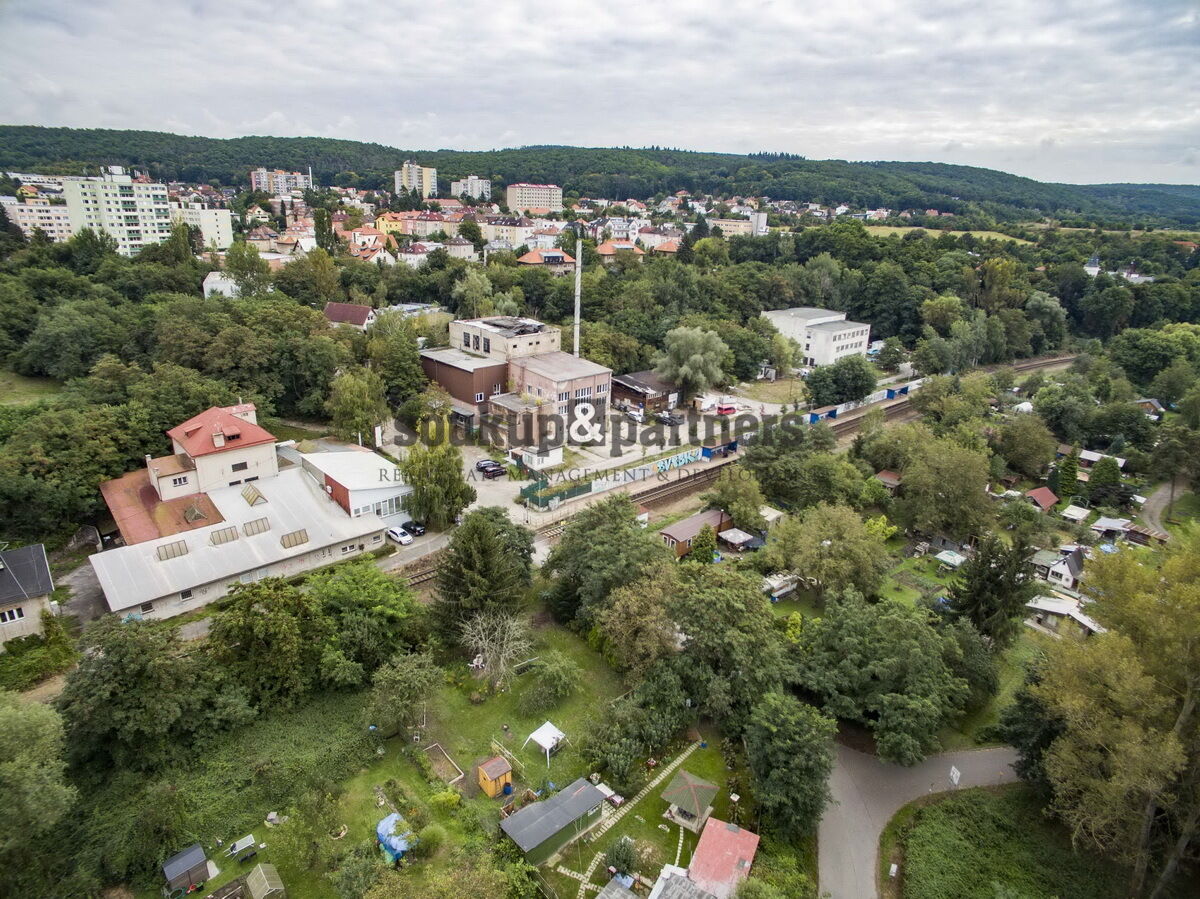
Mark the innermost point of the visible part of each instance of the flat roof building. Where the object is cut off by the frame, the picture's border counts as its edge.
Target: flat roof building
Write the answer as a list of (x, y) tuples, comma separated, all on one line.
[(823, 335)]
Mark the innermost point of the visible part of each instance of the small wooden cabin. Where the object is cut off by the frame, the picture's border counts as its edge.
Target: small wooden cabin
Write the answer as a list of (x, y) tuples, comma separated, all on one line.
[(494, 775)]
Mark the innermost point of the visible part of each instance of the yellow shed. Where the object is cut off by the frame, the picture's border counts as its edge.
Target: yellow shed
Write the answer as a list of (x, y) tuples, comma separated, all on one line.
[(494, 775)]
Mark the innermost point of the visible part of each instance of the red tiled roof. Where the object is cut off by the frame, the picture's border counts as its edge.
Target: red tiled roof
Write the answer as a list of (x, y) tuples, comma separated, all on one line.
[(667, 246), (888, 478), (347, 313), (196, 434), (1043, 496), (534, 257), (612, 247), (722, 858), (141, 516)]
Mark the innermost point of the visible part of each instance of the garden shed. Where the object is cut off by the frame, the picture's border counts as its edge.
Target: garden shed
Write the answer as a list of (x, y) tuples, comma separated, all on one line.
[(689, 800), (541, 829), (548, 738), (494, 776), (185, 869)]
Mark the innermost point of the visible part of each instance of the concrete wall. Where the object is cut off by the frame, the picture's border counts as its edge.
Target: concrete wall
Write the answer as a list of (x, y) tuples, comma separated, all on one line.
[(217, 469), (28, 625)]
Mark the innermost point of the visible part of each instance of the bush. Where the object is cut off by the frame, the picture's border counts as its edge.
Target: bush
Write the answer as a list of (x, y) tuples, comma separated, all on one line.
[(555, 678), (430, 839), (26, 661), (621, 856), (445, 801), (359, 871)]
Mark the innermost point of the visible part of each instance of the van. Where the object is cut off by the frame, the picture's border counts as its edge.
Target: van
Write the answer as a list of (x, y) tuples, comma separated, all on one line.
[(726, 408)]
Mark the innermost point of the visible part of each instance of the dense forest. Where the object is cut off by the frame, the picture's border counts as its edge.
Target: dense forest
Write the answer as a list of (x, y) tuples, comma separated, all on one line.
[(614, 173)]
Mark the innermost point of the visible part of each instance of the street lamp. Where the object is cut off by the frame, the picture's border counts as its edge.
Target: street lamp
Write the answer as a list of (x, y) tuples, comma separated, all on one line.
[(577, 227)]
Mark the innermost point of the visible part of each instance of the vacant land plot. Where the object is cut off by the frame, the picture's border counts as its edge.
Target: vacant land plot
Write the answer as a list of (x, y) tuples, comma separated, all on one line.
[(17, 390), (784, 390), (979, 844), (885, 230)]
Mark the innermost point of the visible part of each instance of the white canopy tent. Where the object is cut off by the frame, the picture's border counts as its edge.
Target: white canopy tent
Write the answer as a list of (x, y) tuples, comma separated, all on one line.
[(547, 737)]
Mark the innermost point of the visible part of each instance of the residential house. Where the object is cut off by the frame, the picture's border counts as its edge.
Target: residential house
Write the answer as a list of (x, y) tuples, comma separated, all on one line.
[(1088, 458), (543, 828), (25, 588), (134, 212), (262, 238), (219, 283), (352, 314), (414, 178), (1110, 528), (472, 186), (679, 536), (889, 479), (1152, 407), (458, 248), (644, 390), (722, 858), (1061, 616), (666, 248), (279, 182), (823, 335), (54, 219), (612, 250), (214, 223), (558, 262), (1063, 568)]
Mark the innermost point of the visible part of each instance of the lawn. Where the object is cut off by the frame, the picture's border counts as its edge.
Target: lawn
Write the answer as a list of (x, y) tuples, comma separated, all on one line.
[(908, 580), (982, 843), (964, 734), (298, 431), (1185, 511), (885, 230), (784, 390), (17, 390)]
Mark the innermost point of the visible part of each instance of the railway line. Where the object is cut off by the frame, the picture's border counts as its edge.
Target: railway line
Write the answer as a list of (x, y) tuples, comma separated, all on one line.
[(692, 481)]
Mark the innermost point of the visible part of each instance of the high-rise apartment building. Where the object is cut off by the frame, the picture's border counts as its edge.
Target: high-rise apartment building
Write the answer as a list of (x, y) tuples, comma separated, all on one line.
[(472, 186), (279, 183), (38, 212), (419, 178), (522, 196), (216, 225), (135, 213)]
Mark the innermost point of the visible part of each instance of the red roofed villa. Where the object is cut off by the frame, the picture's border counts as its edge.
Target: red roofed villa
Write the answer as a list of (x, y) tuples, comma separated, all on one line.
[(353, 314), (557, 261), (1043, 498)]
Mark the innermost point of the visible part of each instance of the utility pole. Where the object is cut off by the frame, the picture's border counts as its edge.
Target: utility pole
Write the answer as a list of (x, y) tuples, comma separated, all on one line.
[(578, 278)]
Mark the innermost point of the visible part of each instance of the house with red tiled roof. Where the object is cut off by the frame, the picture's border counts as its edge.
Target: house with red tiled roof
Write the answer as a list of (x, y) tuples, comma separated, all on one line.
[(667, 248), (1042, 497), (557, 261), (610, 250), (722, 858), (352, 314)]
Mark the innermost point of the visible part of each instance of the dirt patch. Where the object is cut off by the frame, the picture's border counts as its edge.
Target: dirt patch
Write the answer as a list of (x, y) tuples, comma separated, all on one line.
[(47, 690), (443, 765), (856, 737), (541, 619)]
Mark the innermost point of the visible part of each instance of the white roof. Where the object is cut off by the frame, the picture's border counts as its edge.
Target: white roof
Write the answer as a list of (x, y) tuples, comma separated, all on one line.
[(1110, 524), (131, 575), (1075, 513), (547, 736), (1093, 456), (1070, 608), (951, 558), (355, 469), (770, 514)]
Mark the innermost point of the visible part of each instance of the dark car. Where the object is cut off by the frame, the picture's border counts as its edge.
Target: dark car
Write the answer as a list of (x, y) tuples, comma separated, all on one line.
[(496, 471), (485, 464), (667, 418), (414, 527)]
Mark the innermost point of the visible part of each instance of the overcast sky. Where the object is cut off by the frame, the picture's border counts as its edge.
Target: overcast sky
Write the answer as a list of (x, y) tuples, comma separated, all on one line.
[(1061, 90)]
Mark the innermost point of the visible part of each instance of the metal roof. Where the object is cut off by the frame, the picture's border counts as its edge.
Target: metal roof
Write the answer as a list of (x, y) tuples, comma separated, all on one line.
[(184, 861), (534, 824), (691, 793), (131, 575), (25, 573)]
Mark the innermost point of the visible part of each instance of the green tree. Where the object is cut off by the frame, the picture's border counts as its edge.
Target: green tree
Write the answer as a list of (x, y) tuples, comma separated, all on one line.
[(1105, 473), (831, 546), (789, 749), (738, 494), (374, 615), (848, 380), (636, 626), (945, 490), (37, 796), (555, 677), (483, 571), (469, 230), (704, 546), (392, 349), (693, 360), (356, 404), (602, 548), (1027, 445), (884, 666), (439, 490), (1176, 454), (248, 270), (992, 588), (398, 689), (472, 294), (1068, 475), (891, 355)]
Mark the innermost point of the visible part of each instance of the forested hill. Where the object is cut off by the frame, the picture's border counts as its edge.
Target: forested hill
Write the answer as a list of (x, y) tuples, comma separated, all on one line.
[(613, 173)]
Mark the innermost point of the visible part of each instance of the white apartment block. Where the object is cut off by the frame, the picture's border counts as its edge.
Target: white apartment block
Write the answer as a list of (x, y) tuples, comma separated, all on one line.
[(135, 213), (419, 178), (216, 225), (472, 186), (38, 212), (534, 196), (823, 335), (279, 183)]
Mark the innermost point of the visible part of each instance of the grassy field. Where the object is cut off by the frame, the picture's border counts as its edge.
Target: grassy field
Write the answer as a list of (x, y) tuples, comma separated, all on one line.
[(964, 734), (784, 390), (983, 843), (17, 390), (1185, 511), (885, 230), (297, 431)]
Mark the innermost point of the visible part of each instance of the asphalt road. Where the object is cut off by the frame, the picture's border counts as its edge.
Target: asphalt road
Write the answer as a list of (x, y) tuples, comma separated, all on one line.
[(868, 792)]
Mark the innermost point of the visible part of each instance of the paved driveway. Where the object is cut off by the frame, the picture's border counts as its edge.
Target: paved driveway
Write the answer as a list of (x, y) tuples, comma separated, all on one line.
[(868, 792)]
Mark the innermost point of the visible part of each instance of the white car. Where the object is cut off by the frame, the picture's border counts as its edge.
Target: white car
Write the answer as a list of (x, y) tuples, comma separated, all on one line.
[(400, 535), (637, 415)]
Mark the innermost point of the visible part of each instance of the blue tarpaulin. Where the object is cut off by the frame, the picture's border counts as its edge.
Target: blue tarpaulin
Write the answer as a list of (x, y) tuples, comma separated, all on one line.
[(395, 836)]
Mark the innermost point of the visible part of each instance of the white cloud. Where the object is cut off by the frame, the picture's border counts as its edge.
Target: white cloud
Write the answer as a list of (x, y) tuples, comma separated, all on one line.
[(1072, 90)]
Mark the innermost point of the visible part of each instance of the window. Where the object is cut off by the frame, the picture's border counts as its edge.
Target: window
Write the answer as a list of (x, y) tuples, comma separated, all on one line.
[(14, 614), (476, 341), (487, 345), (179, 482), (185, 594), (497, 389), (467, 341), (601, 388), (239, 466), (346, 550), (563, 397), (147, 607)]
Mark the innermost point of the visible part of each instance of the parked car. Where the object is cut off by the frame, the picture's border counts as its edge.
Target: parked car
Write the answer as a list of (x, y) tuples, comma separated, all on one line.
[(667, 418), (485, 464), (496, 471), (400, 535), (726, 408), (414, 527), (636, 414)]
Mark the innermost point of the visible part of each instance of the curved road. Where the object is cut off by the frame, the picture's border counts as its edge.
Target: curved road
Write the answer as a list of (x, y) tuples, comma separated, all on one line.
[(868, 792)]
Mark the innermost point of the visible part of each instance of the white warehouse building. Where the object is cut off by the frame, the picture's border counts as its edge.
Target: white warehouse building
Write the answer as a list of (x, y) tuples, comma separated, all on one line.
[(824, 336)]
